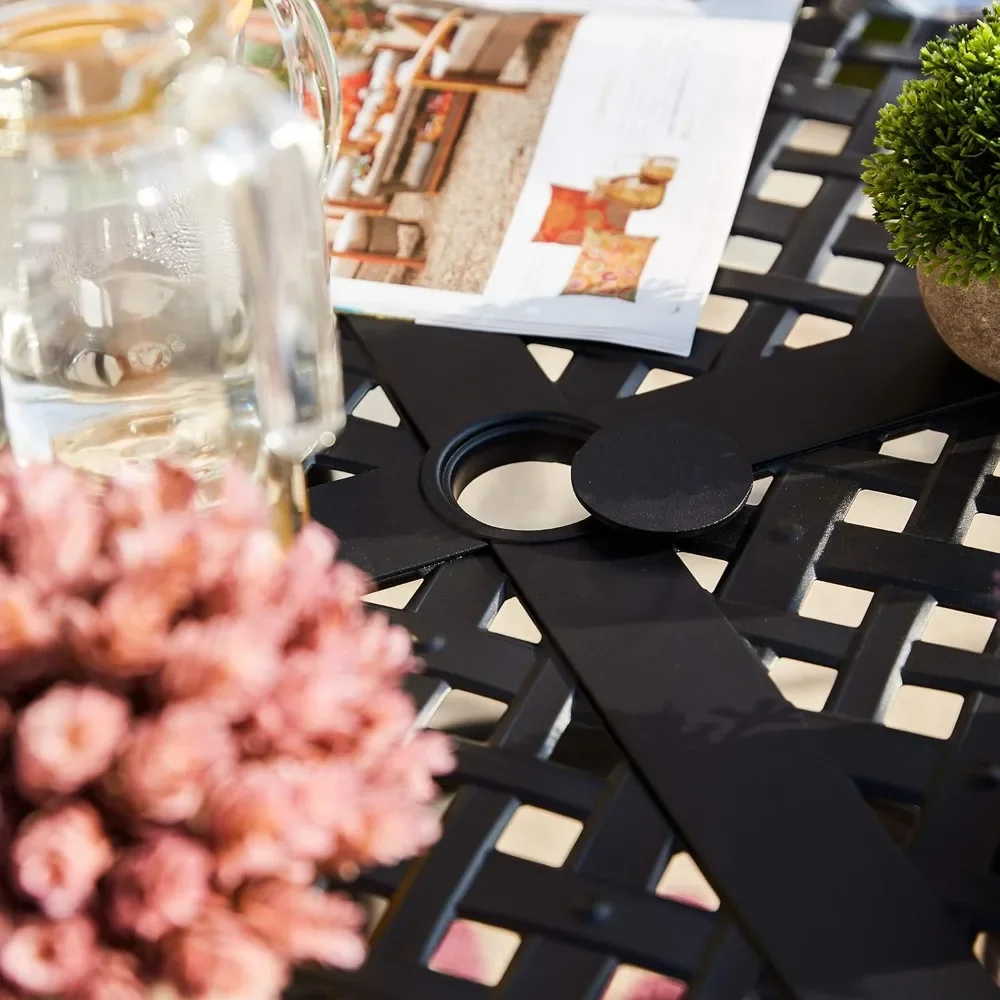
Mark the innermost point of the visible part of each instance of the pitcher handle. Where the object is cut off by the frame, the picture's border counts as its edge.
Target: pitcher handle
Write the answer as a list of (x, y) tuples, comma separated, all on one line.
[(260, 159), (312, 69)]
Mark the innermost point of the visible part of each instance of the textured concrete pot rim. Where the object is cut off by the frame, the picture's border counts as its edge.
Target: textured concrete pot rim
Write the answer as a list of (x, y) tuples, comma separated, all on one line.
[(967, 318)]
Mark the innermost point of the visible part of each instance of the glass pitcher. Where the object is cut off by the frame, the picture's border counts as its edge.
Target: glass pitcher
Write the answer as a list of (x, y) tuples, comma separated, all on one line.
[(163, 259)]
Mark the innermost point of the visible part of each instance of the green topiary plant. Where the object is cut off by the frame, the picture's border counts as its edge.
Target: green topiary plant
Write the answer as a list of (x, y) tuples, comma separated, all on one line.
[(935, 180)]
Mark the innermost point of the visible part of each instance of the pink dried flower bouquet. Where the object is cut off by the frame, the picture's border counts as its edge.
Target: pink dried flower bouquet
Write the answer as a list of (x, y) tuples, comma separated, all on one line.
[(194, 723)]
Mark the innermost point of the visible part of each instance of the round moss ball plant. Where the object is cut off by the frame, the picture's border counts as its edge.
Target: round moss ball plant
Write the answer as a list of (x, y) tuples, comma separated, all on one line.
[(934, 182)]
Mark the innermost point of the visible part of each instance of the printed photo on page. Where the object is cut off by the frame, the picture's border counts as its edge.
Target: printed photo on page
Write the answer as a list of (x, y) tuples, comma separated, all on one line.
[(770, 10), (543, 172)]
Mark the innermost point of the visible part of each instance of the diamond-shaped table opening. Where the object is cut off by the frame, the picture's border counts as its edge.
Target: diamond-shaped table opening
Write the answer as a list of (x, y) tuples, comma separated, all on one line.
[(925, 711), (721, 313), (787, 188), (832, 602), (376, 408), (473, 715), (958, 629), (539, 835), (919, 446), (984, 533), (683, 880), (805, 685), (660, 378), (513, 621), (743, 253), (886, 511), (396, 597), (810, 331), (475, 951), (707, 570), (552, 360), (813, 136)]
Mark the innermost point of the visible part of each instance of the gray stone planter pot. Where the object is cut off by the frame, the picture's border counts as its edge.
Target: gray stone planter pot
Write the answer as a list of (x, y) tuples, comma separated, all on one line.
[(967, 319)]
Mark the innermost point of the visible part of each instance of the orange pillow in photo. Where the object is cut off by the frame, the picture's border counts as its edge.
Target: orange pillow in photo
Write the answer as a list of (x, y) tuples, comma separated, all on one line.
[(610, 265), (571, 213)]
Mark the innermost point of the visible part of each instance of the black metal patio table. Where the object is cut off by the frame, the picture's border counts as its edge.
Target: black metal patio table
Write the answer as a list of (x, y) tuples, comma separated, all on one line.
[(852, 860)]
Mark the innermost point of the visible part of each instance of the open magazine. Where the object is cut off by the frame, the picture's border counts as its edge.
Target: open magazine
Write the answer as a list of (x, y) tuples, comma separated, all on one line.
[(556, 168)]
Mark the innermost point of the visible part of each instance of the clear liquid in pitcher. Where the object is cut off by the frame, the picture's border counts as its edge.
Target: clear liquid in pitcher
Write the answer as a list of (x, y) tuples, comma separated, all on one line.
[(128, 340), (129, 369)]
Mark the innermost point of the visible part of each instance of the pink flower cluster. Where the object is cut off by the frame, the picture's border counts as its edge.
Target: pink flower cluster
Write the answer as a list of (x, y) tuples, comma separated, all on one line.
[(195, 724)]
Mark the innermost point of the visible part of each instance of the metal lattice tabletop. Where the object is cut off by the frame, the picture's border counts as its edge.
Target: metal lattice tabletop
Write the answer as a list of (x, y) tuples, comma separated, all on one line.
[(852, 859)]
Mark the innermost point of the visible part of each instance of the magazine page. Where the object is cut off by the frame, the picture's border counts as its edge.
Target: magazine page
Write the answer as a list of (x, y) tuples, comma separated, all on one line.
[(543, 173), (750, 10)]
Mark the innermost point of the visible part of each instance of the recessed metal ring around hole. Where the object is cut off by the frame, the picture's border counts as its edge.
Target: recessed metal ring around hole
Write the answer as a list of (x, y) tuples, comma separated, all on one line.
[(505, 440)]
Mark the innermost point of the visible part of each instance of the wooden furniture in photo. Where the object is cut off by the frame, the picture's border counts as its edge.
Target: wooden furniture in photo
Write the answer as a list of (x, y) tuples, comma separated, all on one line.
[(493, 48), (445, 144), (402, 161), (336, 208), (382, 245), (383, 175), (390, 145)]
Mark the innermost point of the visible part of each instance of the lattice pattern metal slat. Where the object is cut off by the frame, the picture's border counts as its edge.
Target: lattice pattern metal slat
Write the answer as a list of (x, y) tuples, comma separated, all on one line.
[(645, 712)]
